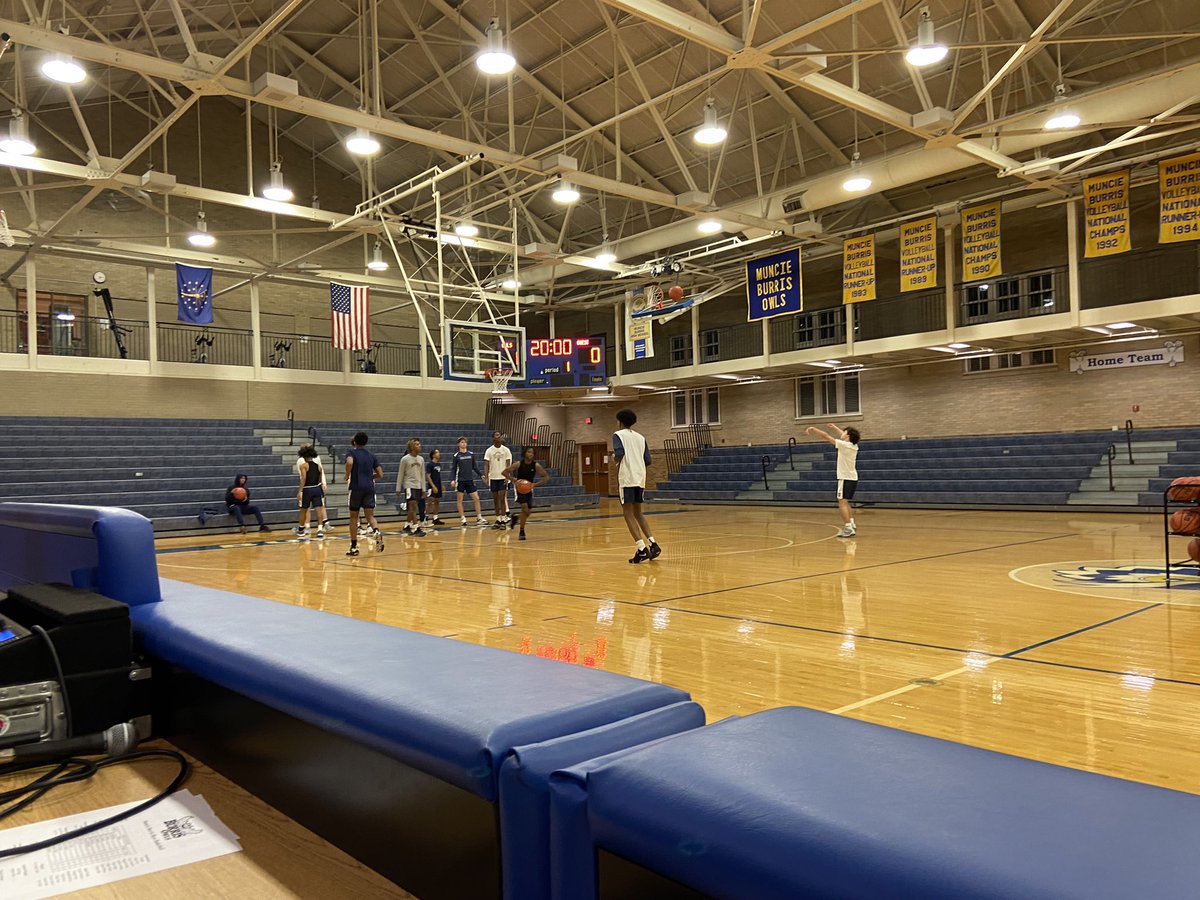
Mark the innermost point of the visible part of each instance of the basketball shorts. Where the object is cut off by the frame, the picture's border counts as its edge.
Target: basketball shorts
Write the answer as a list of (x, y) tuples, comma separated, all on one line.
[(527, 499), (498, 485), (466, 486), (362, 500), (412, 494), (633, 495), (312, 497), (436, 489), (846, 489)]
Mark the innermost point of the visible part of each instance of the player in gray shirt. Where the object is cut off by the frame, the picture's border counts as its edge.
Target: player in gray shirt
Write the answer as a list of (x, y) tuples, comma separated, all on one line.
[(410, 488)]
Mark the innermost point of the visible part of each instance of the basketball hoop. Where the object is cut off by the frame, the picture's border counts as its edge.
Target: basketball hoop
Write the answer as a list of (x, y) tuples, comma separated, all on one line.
[(499, 379), (6, 235)]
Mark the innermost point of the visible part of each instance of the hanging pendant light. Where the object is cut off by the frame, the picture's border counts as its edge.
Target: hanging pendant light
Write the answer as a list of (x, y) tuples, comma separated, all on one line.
[(362, 143), (565, 193), (63, 69), (377, 262), (466, 230), (606, 256), (712, 131), (857, 181), (926, 51), (276, 189), (495, 58), (17, 142), (1062, 118), (709, 226), (200, 237)]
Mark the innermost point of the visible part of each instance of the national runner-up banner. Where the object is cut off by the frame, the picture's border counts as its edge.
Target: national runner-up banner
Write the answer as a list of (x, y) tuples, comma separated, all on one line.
[(1179, 199), (773, 285), (1106, 214), (981, 241), (639, 332), (918, 255), (858, 269)]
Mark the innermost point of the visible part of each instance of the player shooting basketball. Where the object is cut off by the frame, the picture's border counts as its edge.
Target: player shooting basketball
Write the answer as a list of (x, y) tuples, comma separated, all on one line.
[(524, 473)]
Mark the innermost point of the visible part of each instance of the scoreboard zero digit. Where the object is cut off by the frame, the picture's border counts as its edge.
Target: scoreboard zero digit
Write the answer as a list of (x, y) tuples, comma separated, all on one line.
[(565, 363)]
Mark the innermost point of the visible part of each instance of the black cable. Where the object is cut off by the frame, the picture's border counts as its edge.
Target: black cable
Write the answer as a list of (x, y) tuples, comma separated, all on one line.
[(58, 670), (86, 769)]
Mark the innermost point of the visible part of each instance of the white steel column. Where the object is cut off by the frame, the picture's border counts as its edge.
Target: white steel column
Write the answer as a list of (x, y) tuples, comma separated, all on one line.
[(1073, 290), (255, 331), (552, 335), (618, 336), (948, 274), (695, 335), (31, 309), (151, 319)]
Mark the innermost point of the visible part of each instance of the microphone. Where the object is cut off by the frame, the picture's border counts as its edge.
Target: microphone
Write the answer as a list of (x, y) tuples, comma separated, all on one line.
[(115, 741)]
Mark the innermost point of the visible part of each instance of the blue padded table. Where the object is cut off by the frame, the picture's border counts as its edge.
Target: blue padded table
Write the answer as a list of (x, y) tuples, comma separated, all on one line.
[(793, 803)]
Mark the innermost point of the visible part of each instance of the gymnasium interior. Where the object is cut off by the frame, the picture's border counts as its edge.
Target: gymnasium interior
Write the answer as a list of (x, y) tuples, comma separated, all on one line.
[(958, 662)]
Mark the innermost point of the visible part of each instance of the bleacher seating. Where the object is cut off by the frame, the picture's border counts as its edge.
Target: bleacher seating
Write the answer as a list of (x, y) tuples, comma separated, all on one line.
[(1041, 470), (169, 470)]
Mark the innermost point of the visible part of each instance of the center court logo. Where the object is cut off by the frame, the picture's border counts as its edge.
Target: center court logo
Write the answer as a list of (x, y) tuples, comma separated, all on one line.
[(1144, 582)]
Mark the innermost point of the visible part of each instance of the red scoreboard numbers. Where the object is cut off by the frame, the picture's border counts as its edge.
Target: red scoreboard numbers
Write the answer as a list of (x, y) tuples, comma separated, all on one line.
[(552, 347)]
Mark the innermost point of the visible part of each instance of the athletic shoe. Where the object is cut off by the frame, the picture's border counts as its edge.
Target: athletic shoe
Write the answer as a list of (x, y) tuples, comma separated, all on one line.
[(640, 557), (654, 550), (242, 528), (512, 523), (353, 551), (320, 534), (481, 521), (463, 523), (499, 526), (409, 528), (379, 541), (299, 532), (264, 527), (437, 521), (421, 532), (521, 535), (847, 531)]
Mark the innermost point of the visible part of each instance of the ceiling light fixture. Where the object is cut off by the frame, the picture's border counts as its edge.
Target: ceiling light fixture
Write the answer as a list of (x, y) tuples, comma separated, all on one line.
[(361, 143), (63, 69), (466, 229), (565, 193), (857, 181), (712, 131), (510, 283), (709, 226), (1061, 118), (606, 256), (276, 190), (200, 237), (495, 58), (377, 263), (17, 142), (926, 51), (1123, 325), (959, 346)]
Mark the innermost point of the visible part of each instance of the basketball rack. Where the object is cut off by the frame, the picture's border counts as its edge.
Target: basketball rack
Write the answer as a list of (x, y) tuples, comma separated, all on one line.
[(1180, 497), (499, 379)]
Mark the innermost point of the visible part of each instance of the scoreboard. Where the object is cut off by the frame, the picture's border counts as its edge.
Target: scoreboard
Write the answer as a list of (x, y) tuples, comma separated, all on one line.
[(565, 363)]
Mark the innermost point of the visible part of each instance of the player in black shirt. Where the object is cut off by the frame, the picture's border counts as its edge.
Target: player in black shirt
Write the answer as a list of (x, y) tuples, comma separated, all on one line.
[(531, 471)]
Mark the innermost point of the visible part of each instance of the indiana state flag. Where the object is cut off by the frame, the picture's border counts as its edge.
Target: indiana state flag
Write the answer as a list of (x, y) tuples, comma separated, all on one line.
[(195, 294)]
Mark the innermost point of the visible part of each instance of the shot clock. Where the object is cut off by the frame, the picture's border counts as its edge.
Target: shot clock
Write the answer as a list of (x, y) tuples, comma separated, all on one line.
[(565, 363)]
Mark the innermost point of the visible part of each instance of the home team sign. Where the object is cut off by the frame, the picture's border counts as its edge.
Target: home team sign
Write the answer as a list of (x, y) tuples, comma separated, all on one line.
[(773, 285), (1169, 354)]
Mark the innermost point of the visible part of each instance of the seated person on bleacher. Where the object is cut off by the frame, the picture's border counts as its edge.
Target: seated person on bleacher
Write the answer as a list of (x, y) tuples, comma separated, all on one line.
[(237, 499)]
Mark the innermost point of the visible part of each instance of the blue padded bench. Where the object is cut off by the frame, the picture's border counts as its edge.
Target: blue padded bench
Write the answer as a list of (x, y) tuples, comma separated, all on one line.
[(390, 743), (795, 803)]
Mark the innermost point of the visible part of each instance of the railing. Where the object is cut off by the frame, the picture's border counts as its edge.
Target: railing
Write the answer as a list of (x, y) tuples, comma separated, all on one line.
[(907, 314), (289, 351), (291, 417), (731, 342), (62, 333), (1020, 296), (1112, 454), (803, 331), (386, 358), (316, 441), (791, 448), (205, 345), (1167, 271), (1129, 438), (766, 464)]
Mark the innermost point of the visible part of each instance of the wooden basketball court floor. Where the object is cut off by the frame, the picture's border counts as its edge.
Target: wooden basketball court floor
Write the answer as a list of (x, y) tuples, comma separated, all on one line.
[(1046, 635)]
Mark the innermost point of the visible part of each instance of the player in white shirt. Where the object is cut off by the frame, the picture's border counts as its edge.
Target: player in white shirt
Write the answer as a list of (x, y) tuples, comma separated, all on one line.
[(496, 459), (633, 455), (846, 440)]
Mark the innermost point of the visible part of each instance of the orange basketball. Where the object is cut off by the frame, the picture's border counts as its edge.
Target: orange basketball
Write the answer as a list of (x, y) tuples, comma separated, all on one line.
[(524, 487), (1186, 521), (675, 293), (1194, 549), (239, 494)]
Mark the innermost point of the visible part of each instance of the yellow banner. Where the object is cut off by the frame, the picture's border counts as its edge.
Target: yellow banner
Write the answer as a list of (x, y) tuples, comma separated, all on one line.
[(918, 255), (981, 241), (1179, 199), (1106, 214), (858, 269)]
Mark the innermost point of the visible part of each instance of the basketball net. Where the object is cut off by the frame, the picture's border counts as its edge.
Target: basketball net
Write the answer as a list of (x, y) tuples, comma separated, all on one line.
[(6, 235), (499, 379)]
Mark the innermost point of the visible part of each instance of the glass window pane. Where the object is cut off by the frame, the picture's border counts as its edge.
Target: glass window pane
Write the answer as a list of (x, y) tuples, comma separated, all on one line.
[(829, 391), (697, 406), (807, 397), (714, 405), (679, 410), (850, 394)]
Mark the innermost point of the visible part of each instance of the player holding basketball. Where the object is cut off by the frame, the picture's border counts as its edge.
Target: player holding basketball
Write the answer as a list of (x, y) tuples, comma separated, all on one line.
[(846, 440), (633, 456), (362, 471), (311, 494), (526, 475), (463, 471), (497, 458), (410, 488)]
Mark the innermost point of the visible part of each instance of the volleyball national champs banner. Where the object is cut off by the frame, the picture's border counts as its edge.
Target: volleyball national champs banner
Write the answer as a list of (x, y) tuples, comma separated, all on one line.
[(639, 331), (1106, 214), (981, 241), (918, 255), (1179, 199), (858, 269), (773, 286)]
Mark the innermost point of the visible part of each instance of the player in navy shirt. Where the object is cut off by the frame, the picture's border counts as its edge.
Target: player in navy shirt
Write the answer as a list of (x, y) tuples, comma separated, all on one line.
[(362, 471), (433, 477), (462, 481)]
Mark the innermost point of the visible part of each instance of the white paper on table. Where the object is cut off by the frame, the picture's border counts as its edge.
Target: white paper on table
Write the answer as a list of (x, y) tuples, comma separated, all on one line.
[(179, 830)]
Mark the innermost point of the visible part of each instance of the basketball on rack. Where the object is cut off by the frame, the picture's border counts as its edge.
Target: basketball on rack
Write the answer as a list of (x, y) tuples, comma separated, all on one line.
[(1186, 521), (1194, 549), (524, 487), (675, 293)]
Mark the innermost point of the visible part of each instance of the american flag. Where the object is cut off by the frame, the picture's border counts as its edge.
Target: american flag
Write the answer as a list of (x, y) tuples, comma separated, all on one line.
[(350, 312)]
